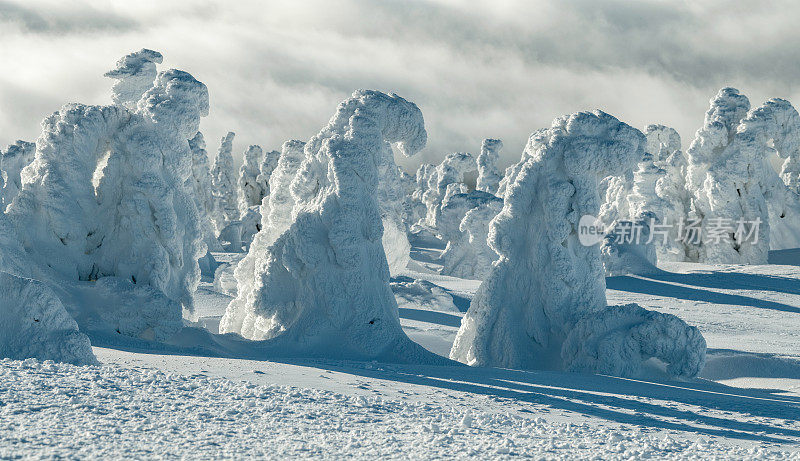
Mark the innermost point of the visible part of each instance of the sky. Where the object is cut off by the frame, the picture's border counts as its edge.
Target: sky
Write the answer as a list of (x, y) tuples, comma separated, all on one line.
[(477, 69)]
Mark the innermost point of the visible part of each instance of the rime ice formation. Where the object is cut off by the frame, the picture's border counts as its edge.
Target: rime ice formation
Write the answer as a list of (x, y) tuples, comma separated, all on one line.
[(276, 217), (451, 216), (468, 255), (251, 224), (391, 199), (12, 161), (322, 287), (250, 190), (224, 180), (450, 171), (34, 324), (109, 191), (488, 174), (207, 208), (543, 305), (733, 184), (664, 145), (662, 141), (268, 164), (134, 75), (773, 131)]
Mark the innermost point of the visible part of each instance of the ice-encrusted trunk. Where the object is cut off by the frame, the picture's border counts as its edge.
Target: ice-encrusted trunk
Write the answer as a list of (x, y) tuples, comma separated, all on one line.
[(543, 305), (323, 286)]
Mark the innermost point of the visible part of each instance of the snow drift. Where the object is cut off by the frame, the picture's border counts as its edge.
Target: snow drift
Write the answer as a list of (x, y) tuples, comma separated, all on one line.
[(34, 324), (543, 305)]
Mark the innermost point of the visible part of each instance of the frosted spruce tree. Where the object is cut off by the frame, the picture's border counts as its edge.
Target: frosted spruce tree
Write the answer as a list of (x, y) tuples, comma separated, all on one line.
[(134, 75), (108, 195), (733, 185), (322, 287), (268, 164), (543, 305), (664, 145), (206, 204), (450, 171), (224, 181), (12, 161), (468, 254), (489, 175), (249, 189)]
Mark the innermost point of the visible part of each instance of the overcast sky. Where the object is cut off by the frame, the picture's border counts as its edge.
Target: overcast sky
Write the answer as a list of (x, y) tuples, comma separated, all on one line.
[(277, 70)]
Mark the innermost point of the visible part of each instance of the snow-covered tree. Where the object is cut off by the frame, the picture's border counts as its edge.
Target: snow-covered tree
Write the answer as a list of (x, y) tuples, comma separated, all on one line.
[(489, 175), (664, 145), (134, 75), (224, 181), (276, 217), (250, 190), (323, 285), (34, 324), (468, 254), (391, 199), (417, 208), (450, 171), (109, 192), (207, 209), (12, 161), (543, 305), (268, 164)]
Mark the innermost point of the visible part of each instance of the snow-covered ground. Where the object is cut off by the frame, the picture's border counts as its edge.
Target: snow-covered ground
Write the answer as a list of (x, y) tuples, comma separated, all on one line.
[(223, 400)]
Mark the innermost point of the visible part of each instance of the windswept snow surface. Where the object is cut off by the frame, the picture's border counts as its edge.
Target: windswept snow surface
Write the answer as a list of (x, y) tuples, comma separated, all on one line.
[(153, 400)]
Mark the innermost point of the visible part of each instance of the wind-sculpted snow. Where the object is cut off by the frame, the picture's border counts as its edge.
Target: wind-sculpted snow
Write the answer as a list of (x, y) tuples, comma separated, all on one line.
[(546, 283), (134, 75), (468, 255), (225, 181), (12, 161), (488, 174), (323, 285), (250, 190), (619, 339), (109, 192), (34, 324), (450, 171)]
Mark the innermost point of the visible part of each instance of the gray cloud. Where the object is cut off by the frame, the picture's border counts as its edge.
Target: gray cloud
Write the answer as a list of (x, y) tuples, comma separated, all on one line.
[(477, 69)]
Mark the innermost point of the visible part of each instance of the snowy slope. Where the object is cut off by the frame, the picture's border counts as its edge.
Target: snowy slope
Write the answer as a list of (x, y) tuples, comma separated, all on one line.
[(221, 400)]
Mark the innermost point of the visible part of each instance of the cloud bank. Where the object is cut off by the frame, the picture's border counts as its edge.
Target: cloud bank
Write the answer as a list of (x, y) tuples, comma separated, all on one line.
[(477, 69)]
